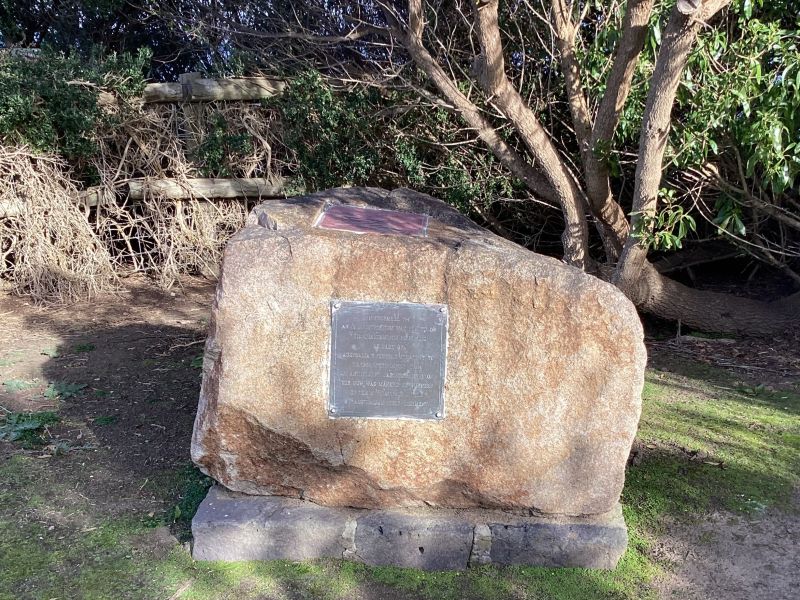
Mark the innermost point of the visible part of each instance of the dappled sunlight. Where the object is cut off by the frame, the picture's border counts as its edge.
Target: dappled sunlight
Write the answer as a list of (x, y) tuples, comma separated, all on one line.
[(109, 513), (704, 447)]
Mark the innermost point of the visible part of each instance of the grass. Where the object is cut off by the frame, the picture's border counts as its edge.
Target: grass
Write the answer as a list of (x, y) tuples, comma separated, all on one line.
[(705, 445), (191, 487), (713, 446), (82, 348), (11, 358), (12, 386), (61, 390)]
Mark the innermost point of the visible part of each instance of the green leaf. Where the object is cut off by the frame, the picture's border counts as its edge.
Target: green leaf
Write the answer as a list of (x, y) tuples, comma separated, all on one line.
[(26, 427), (63, 391), (738, 225), (777, 142)]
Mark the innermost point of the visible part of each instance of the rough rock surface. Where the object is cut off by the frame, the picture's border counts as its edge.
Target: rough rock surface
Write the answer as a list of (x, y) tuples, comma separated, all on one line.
[(545, 368)]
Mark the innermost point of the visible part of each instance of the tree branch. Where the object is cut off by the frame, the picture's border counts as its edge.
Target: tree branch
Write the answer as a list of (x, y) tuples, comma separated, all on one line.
[(678, 40), (618, 86), (565, 31), (469, 112), (490, 67), (358, 32)]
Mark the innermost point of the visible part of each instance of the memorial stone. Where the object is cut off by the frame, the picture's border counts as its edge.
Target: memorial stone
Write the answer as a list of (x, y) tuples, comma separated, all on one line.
[(378, 363)]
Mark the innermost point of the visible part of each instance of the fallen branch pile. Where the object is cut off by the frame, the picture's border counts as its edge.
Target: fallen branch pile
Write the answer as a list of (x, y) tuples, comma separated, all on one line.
[(176, 180), (48, 250)]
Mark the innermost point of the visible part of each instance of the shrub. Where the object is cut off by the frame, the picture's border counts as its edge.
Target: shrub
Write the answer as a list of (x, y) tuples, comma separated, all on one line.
[(49, 103)]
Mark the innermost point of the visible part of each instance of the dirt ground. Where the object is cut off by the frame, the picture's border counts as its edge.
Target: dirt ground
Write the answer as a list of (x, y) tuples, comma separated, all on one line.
[(137, 353), (733, 556), (134, 352)]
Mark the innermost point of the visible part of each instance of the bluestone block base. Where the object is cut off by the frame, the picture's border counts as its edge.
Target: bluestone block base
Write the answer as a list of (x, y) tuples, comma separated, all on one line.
[(230, 526)]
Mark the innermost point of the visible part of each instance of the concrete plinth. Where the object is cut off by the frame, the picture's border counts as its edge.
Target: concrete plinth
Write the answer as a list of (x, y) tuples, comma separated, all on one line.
[(230, 526)]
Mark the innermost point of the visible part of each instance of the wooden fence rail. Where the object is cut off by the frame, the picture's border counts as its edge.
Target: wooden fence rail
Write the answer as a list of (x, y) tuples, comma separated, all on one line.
[(199, 89), (173, 189), (254, 187), (193, 88)]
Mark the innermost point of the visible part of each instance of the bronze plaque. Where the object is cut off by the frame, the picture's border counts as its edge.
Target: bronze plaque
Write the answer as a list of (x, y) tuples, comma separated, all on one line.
[(373, 220), (387, 360)]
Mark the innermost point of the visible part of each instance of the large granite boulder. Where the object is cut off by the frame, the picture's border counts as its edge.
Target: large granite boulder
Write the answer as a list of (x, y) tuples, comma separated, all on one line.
[(544, 366)]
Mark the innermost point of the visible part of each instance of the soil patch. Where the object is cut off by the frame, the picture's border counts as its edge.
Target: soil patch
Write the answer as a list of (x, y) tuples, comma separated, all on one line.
[(124, 366), (733, 556)]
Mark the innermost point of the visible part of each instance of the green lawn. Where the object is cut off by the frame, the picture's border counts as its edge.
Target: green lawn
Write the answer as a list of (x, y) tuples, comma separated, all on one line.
[(703, 445)]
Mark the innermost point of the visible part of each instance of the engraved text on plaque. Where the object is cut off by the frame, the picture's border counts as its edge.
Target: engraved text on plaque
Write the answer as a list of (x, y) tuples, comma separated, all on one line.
[(387, 360)]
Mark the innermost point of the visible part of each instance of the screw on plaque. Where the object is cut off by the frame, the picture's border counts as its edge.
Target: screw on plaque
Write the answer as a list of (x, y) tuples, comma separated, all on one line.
[(337, 305), (439, 415), (332, 410), (443, 309)]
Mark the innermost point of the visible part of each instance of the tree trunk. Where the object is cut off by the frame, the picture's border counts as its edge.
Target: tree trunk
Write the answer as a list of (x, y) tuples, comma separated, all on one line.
[(711, 311), (618, 86), (636, 277), (576, 234), (679, 37)]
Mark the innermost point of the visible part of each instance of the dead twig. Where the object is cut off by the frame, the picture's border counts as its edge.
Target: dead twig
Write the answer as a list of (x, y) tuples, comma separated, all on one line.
[(179, 592)]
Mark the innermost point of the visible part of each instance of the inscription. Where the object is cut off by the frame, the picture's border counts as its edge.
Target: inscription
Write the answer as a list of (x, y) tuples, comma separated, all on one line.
[(357, 219), (387, 360)]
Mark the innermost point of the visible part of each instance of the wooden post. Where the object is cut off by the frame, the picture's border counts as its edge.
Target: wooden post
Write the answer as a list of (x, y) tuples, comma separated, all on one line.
[(191, 114)]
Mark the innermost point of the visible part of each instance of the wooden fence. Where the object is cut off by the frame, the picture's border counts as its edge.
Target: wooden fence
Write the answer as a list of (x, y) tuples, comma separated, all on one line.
[(191, 87), (174, 189)]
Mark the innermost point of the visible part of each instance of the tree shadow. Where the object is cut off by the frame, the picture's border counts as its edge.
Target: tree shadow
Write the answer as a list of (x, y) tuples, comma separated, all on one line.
[(134, 387), (718, 383), (136, 415)]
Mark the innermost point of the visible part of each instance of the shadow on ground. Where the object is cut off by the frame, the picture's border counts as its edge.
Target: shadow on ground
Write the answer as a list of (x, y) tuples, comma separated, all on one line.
[(100, 509)]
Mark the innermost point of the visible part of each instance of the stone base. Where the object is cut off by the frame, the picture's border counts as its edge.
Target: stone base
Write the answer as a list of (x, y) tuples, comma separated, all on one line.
[(230, 526)]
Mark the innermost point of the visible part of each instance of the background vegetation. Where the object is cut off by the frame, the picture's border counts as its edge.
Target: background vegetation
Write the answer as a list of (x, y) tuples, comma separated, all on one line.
[(730, 170)]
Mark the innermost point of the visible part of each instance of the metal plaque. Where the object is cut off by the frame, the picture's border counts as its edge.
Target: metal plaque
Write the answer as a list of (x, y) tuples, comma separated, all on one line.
[(387, 360), (357, 219)]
